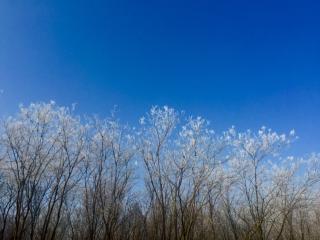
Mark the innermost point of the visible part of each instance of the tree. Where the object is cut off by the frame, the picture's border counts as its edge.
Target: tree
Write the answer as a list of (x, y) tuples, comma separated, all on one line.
[(67, 177)]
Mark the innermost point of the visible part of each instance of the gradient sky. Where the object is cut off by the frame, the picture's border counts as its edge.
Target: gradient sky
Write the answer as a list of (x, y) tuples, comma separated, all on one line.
[(242, 63)]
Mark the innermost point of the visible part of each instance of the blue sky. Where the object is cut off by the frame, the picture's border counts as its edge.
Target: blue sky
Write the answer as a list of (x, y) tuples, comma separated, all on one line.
[(242, 63)]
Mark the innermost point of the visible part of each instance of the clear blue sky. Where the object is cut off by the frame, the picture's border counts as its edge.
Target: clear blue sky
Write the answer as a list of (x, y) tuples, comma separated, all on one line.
[(242, 63)]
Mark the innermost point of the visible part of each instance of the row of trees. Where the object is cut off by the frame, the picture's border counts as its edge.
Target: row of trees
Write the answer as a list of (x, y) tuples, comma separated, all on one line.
[(62, 177)]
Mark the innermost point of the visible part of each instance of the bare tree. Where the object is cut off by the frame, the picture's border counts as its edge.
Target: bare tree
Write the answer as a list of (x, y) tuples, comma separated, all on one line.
[(64, 177), (108, 181)]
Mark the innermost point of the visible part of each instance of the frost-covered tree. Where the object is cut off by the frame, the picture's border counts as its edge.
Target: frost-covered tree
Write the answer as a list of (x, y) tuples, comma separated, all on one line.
[(108, 178), (173, 177), (42, 147)]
